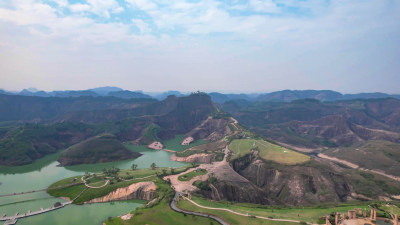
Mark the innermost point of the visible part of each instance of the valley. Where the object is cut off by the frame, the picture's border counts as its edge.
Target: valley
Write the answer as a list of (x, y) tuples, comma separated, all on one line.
[(199, 112), (207, 163)]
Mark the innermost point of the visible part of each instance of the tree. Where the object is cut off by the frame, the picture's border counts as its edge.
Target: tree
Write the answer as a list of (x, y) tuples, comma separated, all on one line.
[(153, 166), (194, 163), (172, 171), (164, 171), (134, 166)]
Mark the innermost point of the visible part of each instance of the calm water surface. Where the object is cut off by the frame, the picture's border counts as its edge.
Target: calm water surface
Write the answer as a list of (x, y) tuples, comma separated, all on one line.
[(45, 172)]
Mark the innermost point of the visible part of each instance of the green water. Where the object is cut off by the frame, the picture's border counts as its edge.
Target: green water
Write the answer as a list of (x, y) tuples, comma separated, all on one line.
[(175, 143), (45, 172), (380, 222)]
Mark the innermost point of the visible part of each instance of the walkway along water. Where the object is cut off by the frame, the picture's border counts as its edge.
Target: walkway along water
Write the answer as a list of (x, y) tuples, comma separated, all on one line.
[(45, 189), (10, 219)]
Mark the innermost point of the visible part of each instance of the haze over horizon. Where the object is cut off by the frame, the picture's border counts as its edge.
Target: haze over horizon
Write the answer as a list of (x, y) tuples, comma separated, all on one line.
[(208, 45), (153, 93)]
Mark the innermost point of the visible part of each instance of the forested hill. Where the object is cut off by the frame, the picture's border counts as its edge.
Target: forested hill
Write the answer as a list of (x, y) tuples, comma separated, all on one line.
[(28, 108), (45, 125)]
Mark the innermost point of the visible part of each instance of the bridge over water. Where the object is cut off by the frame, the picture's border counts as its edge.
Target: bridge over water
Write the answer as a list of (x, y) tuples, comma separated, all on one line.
[(13, 219), (45, 189)]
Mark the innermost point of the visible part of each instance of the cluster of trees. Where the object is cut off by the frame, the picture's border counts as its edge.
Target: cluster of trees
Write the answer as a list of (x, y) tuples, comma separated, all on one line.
[(153, 166), (112, 172)]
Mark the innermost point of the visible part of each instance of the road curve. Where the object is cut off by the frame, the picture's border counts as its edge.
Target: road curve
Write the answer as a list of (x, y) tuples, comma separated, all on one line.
[(175, 208), (242, 214)]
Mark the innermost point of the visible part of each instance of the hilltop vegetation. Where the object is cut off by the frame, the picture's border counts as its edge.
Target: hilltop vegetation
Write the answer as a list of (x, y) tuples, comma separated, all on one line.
[(313, 124), (266, 151), (102, 148), (27, 108), (129, 120), (23, 145)]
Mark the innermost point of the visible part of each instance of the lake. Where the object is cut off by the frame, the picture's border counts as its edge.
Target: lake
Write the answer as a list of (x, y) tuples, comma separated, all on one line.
[(45, 171)]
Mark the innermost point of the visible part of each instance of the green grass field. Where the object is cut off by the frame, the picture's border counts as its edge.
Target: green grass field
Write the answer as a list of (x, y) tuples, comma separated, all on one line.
[(148, 172), (267, 151), (190, 175), (393, 209), (70, 192), (161, 213), (175, 143), (97, 181), (230, 217), (73, 191), (306, 214), (93, 193)]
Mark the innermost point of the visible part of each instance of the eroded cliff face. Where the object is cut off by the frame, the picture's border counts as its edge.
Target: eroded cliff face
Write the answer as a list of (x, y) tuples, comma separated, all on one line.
[(303, 184), (199, 158), (210, 129), (141, 190), (237, 192)]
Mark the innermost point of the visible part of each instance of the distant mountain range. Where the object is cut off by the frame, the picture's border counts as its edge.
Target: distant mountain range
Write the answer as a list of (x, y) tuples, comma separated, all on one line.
[(277, 96), (95, 92), (291, 95)]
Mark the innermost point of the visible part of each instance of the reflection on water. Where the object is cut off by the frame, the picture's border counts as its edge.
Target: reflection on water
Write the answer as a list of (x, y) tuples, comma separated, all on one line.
[(92, 214), (381, 222), (45, 171)]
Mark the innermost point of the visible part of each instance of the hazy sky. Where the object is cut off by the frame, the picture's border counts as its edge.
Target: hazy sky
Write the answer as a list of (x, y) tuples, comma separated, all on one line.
[(229, 46)]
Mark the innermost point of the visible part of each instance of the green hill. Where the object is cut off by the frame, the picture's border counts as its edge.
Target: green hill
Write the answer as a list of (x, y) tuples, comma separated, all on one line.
[(25, 144), (102, 148)]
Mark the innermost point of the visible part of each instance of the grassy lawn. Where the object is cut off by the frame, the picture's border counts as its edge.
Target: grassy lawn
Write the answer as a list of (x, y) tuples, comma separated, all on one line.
[(267, 151), (240, 147), (72, 191), (190, 175), (161, 213), (148, 172), (308, 214), (98, 183), (175, 143), (393, 209), (93, 193), (94, 179), (230, 217), (66, 181)]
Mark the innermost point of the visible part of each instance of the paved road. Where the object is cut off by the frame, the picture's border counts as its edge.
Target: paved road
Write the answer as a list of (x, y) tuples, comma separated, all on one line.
[(242, 214), (175, 208)]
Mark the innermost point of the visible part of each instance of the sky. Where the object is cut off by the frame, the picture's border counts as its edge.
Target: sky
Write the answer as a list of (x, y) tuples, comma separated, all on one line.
[(233, 46)]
